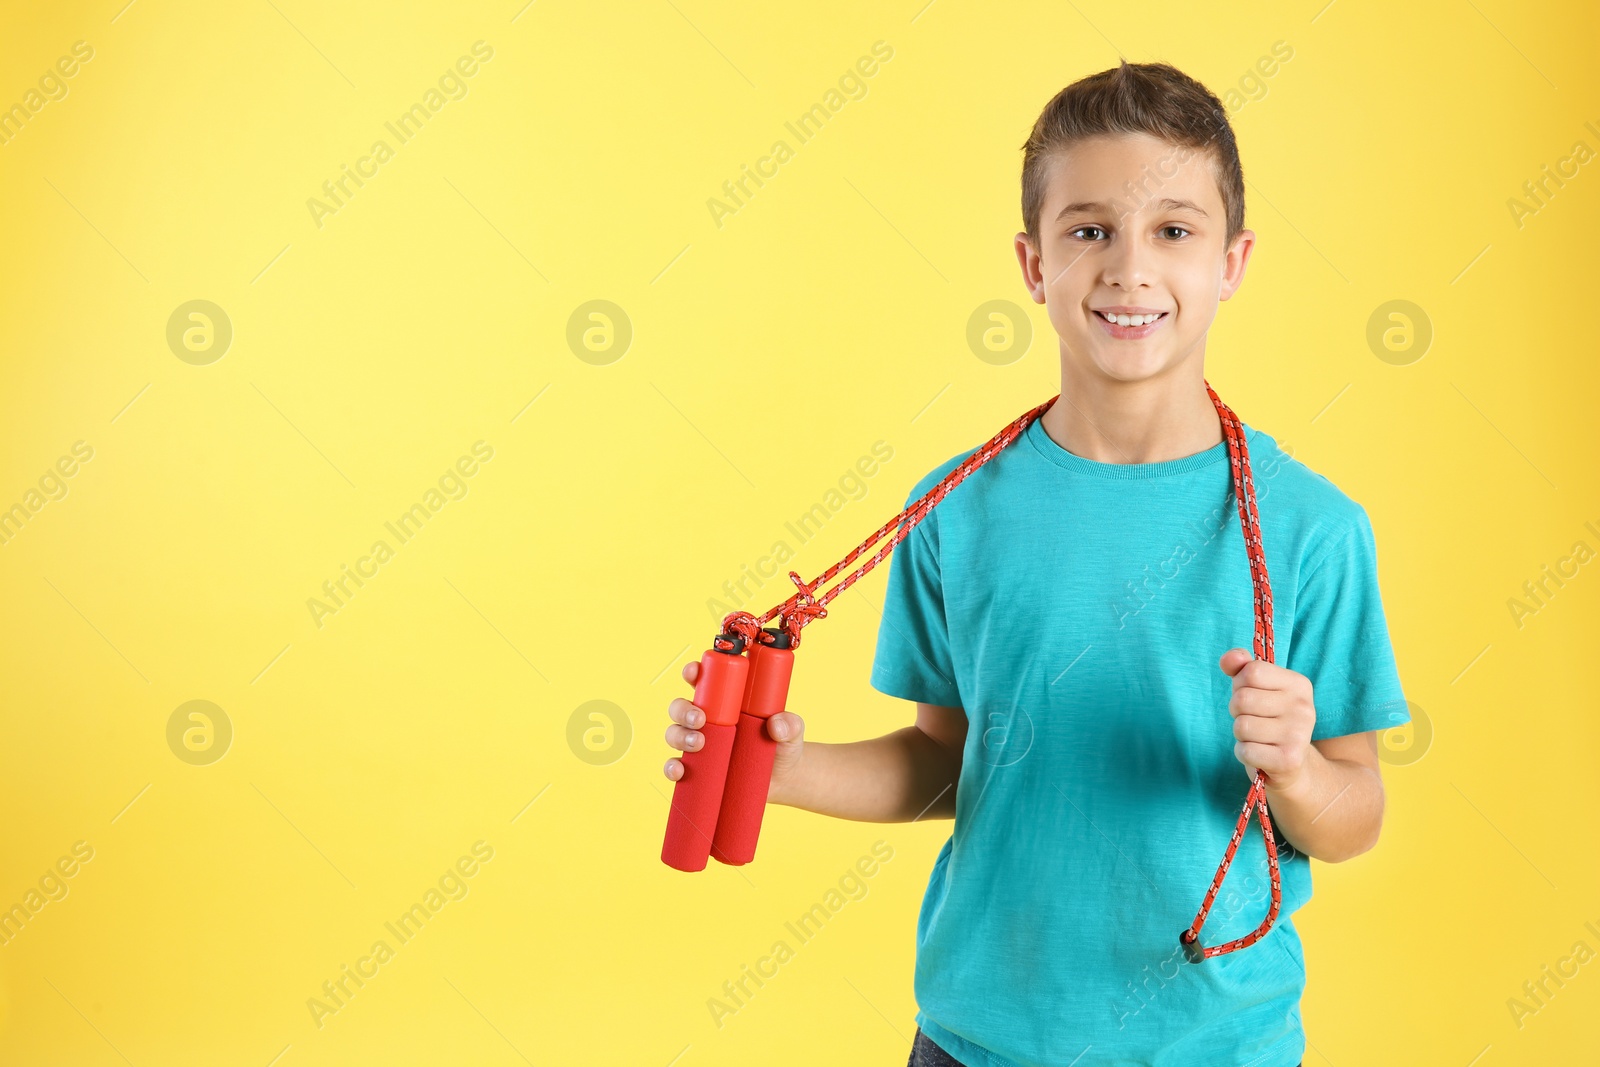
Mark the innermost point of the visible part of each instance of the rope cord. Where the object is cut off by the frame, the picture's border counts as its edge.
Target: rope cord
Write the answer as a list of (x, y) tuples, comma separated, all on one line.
[(805, 606)]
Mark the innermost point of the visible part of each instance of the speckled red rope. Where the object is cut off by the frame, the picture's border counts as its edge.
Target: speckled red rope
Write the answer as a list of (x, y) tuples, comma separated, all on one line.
[(1245, 495), (805, 606)]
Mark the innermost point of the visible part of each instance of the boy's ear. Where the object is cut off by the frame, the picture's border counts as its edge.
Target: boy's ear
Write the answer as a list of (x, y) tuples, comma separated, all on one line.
[(1234, 262), (1032, 267)]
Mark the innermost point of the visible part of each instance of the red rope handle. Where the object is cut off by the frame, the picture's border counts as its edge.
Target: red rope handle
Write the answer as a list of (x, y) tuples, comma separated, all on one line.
[(805, 606)]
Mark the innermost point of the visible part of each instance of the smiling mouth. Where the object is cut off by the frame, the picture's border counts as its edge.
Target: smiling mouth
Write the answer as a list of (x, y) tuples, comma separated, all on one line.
[(1130, 320), (1138, 327)]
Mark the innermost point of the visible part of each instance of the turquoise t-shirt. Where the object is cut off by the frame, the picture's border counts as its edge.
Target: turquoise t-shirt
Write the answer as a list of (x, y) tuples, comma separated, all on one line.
[(1076, 610)]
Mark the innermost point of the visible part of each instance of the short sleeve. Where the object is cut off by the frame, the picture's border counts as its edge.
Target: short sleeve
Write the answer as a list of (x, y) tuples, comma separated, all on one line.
[(913, 655), (1341, 639)]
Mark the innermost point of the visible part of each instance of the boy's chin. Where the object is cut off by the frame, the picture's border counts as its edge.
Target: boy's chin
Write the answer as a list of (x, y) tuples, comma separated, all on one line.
[(1122, 361)]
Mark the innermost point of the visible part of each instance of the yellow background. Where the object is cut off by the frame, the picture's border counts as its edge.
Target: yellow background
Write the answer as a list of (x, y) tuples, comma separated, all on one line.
[(767, 356)]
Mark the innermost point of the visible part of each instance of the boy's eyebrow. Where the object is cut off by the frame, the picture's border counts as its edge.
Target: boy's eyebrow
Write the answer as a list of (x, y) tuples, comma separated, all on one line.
[(1166, 203)]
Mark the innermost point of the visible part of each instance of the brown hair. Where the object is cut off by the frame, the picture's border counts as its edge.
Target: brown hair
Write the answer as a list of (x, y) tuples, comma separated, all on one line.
[(1151, 98)]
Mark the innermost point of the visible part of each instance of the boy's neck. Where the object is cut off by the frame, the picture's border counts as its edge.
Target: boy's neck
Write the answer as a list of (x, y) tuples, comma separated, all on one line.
[(1151, 421)]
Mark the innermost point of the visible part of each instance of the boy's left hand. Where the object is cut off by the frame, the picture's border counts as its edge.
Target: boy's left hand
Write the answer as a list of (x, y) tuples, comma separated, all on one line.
[(1273, 716)]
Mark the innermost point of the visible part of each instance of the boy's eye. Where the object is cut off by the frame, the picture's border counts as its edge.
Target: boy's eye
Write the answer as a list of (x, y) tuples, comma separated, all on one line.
[(1084, 229), (1169, 229)]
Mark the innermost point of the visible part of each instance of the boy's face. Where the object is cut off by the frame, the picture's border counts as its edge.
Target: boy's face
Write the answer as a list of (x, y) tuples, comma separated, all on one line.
[(1132, 225)]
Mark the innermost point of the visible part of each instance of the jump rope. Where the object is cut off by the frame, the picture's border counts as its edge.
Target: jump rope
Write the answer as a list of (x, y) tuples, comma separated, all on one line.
[(718, 804)]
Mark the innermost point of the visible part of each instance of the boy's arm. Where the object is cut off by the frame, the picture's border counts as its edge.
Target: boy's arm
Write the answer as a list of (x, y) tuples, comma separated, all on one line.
[(903, 776), (1334, 810)]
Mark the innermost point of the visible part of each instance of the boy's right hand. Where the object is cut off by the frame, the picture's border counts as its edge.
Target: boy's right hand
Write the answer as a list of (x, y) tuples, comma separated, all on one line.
[(786, 728)]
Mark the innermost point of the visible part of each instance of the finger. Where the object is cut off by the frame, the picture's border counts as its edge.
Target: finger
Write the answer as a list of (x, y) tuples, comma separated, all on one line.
[(682, 738), (1252, 754), (786, 726), (682, 711), (691, 671), (1232, 660), (1255, 728), (673, 769), (1259, 674), (1260, 702)]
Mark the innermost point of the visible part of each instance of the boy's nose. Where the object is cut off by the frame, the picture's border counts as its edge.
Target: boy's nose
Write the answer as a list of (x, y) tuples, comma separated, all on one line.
[(1126, 264)]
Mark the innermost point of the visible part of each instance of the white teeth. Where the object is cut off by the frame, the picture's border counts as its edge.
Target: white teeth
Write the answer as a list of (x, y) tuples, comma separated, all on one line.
[(1130, 320)]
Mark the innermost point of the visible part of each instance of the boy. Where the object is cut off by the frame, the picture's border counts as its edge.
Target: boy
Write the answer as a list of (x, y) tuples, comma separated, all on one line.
[(1074, 618)]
